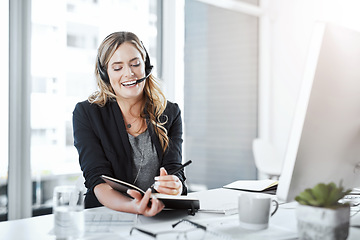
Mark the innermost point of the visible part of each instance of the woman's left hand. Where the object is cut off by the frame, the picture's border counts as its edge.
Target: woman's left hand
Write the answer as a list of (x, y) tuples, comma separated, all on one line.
[(168, 184)]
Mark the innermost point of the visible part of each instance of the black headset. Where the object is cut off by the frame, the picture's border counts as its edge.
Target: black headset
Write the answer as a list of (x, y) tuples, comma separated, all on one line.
[(105, 77)]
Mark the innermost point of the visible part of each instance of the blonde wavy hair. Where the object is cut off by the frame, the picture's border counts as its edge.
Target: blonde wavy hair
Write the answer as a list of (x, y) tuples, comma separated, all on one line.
[(154, 100)]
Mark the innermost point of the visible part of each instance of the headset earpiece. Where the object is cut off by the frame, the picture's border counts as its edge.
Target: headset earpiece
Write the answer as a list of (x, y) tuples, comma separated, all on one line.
[(102, 72), (148, 66)]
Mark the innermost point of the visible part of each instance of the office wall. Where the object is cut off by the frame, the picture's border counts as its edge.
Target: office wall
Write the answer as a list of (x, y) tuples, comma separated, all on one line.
[(291, 23)]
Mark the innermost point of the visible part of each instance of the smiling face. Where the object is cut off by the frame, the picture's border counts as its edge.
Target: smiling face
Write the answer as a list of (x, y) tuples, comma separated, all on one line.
[(125, 67)]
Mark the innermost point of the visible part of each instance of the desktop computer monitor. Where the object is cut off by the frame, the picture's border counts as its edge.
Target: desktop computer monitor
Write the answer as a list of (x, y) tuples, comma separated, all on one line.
[(324, 142)]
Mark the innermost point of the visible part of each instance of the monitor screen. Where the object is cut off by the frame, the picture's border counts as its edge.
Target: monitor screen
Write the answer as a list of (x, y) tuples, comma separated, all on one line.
[(324, 142)]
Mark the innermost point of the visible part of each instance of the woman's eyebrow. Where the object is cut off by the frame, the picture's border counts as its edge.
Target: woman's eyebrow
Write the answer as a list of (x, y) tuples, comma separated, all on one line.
[(133, 59)]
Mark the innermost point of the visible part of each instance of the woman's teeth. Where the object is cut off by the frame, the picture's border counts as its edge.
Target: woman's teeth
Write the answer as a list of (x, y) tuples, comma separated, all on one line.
[(127, 84)]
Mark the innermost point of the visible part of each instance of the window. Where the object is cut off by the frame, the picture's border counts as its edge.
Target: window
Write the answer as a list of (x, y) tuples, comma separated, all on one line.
[(64, 45), (220, 93), (4, 99)]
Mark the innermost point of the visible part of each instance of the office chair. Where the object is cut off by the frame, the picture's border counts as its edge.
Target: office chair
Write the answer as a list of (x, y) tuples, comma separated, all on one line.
[(267, 160)]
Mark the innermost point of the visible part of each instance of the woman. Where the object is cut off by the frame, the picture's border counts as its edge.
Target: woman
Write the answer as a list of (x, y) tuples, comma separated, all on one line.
[(127, 130)]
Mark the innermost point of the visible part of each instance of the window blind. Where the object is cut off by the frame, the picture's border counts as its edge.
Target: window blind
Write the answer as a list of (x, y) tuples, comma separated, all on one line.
[(220, 94)]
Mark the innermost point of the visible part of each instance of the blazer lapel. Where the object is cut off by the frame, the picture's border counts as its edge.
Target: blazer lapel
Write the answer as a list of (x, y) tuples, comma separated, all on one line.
[(121, 128)]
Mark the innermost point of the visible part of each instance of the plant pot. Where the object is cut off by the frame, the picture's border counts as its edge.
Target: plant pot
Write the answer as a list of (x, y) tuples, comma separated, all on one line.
[(323, 223)]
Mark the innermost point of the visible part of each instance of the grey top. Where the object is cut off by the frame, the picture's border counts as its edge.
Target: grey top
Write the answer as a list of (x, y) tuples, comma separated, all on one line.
[(145, 159)]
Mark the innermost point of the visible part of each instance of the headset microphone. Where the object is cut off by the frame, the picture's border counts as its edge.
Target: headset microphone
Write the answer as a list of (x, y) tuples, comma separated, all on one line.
[(142, 79)]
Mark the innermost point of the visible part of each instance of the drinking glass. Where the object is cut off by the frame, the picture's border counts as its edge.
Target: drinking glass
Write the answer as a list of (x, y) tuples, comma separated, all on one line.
[(68, 209)]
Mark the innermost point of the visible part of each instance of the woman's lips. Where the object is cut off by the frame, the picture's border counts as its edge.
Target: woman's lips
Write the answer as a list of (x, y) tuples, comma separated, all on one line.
[(129, 83)]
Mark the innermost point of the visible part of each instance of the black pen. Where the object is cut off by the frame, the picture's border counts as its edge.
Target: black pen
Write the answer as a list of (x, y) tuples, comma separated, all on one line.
[(180, 168)]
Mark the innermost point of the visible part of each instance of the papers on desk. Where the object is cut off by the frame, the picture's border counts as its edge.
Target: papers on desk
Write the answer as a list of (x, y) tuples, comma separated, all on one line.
[(232, 229), (225, 200), (253, 185), (218, 200), (102, 220)]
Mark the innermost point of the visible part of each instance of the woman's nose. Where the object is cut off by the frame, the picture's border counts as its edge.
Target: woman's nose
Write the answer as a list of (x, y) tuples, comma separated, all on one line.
[(129, 72)]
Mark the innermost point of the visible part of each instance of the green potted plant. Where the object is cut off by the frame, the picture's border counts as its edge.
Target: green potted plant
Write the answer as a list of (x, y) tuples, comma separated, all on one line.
[(320, 215)]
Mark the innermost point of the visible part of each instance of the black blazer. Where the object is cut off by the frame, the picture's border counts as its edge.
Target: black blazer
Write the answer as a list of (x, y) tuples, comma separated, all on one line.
[(103, 145)]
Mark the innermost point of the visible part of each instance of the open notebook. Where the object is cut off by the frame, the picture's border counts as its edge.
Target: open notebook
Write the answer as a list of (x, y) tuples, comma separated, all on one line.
[(170, 201)]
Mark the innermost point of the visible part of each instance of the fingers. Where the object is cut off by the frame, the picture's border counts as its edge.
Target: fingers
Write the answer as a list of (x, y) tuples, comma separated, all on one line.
[(163, 171), (135, 194), (146, 205), (156, 207), (168, 184), (144, 202)]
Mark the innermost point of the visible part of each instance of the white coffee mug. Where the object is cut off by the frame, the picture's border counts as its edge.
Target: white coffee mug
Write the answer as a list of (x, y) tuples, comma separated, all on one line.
[(254, 210)]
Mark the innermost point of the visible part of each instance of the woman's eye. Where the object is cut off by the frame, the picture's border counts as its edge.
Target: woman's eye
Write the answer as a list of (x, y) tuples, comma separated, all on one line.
[(117, 69), (135, 65)]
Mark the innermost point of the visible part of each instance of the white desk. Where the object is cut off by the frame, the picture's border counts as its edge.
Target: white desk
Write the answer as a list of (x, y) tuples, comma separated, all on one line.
[(282, 225)]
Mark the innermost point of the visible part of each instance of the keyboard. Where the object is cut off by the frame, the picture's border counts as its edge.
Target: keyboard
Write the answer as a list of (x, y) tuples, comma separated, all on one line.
[(104, 221), (352, 199)]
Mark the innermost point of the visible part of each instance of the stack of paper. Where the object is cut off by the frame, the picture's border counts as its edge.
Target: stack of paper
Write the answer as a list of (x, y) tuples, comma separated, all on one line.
[(225, 200), (253, 185)]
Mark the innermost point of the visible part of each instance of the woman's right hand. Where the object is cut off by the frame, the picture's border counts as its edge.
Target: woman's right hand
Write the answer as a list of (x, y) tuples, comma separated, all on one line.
[(141, 203)]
